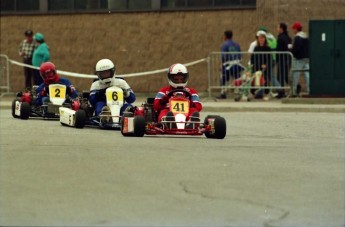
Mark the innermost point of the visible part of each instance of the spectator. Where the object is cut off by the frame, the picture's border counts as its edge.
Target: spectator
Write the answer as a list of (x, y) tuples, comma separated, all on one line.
[(40, 55), (272, 43), (300, 51), (105, 70), (178, 78), (271, 40), (50, 76), (230, 62), (26, 50), (283, 60), (262, 61)]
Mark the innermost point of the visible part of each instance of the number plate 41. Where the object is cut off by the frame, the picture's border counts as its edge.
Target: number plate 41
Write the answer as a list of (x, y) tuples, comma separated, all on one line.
[(179, 106)]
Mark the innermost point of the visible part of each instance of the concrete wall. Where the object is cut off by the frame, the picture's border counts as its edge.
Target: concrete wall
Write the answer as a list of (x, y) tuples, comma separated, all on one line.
[(146, 41)]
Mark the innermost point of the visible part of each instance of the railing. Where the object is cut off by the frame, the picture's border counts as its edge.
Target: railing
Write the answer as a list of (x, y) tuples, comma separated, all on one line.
[(227, 71)]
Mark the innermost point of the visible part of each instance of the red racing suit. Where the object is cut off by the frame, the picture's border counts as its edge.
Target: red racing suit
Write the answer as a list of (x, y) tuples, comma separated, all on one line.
[(161, 103)]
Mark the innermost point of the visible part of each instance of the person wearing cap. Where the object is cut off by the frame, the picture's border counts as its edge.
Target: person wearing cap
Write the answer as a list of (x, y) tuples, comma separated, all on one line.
[(26, 49), (262, 61), (271, 40), (40, 55), (300, 51)]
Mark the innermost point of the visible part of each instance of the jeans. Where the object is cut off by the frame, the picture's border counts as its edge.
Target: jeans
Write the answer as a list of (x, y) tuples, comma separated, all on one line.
[(37, 77), (300, 65), (28, 73)]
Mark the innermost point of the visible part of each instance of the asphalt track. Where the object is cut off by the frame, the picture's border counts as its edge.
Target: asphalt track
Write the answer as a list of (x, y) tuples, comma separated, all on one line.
[(272, 169)]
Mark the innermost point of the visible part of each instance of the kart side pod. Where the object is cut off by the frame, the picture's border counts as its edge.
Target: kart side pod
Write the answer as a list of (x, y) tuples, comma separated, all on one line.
[(72, 118), (67, 116), (133, 126)]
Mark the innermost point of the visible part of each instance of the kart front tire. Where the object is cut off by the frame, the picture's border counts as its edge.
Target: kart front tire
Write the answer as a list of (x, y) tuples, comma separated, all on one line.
[(219, 127), (25, 109), (80, 118), (209, 134)]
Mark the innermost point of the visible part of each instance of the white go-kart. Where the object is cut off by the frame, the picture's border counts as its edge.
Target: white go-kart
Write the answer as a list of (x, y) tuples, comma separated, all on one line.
[(108, 119)]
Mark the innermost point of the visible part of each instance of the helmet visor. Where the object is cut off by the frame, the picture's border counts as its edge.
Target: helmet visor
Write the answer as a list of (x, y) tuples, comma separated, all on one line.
[(179, 78), (50, 74), (105, 74)]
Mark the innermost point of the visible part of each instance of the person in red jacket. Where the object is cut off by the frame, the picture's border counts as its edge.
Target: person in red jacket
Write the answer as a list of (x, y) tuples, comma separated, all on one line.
[(178, 78)]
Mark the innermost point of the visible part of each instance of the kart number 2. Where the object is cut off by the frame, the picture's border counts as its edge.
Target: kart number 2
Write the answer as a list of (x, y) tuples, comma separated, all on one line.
[(57, 93)]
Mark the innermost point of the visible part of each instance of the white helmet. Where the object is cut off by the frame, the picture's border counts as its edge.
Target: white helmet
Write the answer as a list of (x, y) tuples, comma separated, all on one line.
[(181, 81), (105, 70)]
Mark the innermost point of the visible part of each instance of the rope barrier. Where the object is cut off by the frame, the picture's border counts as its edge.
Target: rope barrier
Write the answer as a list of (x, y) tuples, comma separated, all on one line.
[(80, 75)]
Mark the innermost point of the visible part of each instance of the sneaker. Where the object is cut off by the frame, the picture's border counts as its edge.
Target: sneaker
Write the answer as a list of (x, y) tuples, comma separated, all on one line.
[(170, 117), (266, 98), (195, 117), (274, 94), (298, 89), (222, 96), (281, 94), (128, 109), (105, 115)]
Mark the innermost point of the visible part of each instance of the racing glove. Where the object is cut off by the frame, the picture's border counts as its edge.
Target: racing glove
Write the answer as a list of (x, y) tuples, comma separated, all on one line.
[(100, 95), (44, 91), (75, 104), (126, 93), (69, 90), (164, 100)]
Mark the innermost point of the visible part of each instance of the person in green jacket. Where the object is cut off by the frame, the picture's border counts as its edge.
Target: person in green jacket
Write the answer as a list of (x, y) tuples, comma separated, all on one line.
[(40, 55)]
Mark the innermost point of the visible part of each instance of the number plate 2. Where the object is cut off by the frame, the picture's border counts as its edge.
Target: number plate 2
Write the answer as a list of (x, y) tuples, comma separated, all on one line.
[(57, 93)]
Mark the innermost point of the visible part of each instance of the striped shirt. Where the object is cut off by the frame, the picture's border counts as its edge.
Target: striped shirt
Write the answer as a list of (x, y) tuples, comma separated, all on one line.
[(27, 48)]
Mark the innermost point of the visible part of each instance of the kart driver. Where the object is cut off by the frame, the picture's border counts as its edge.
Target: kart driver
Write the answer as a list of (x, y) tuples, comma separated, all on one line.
[(177, 78), (49, 75), (105, 70)]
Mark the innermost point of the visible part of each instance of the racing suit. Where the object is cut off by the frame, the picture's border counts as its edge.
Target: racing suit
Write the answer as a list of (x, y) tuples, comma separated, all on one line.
[(161, 103), (97, 94), (43, 90)]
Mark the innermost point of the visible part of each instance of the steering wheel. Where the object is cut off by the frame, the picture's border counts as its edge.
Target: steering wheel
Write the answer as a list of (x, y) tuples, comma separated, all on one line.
[(186, 93)]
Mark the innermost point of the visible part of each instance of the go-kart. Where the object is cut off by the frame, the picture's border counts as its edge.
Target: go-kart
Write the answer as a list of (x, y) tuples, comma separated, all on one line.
[(24, 106), (85, 115), (144, 120)]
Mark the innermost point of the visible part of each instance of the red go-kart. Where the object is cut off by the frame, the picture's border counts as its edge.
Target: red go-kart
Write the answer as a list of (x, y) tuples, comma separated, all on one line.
[(143, 120)]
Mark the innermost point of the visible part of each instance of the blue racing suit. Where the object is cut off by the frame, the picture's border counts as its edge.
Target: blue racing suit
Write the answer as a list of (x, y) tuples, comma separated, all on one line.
[(43, 90), (97, 94)]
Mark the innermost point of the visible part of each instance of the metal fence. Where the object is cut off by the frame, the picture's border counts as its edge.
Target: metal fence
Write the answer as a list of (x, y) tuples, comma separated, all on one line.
[(4, 75), (266, 71)]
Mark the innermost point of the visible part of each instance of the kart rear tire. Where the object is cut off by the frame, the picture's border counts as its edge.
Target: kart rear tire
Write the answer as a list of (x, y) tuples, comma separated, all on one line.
[(125, 114), (219, 127), (80, 118), (209, 134), (25, 110), (139, 126), (14, 108)]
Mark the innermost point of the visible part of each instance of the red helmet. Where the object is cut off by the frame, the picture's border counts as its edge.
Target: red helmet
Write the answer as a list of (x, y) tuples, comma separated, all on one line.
[(48, 72)]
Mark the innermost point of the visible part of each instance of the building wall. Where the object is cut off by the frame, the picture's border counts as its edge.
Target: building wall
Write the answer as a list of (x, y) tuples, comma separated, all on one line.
[(147, 41)]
